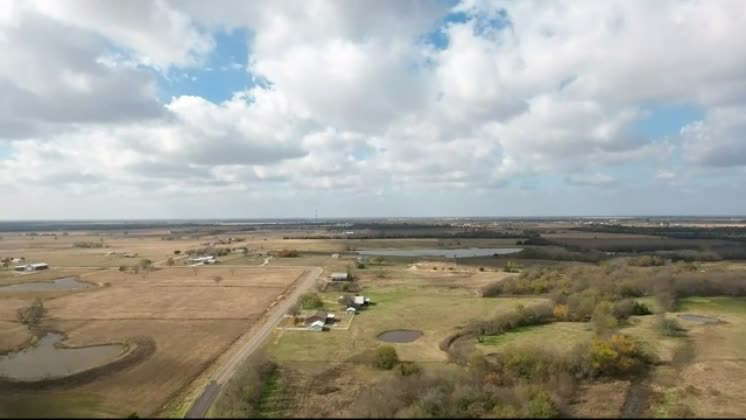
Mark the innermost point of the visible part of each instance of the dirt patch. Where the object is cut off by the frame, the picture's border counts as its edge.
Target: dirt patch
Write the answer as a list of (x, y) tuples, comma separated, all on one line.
[(637, 399), (603, 399)]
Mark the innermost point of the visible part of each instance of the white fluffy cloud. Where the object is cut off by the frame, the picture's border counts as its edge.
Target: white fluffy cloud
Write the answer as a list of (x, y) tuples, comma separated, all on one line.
[(358, 100), (719, 140)]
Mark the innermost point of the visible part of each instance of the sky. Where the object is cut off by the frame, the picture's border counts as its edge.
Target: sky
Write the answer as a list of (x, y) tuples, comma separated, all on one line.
[(233, 109)]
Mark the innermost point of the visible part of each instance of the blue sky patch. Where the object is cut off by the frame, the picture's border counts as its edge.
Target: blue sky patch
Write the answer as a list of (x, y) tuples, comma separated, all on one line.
[(4, 151), (667, 119), (223, 73)]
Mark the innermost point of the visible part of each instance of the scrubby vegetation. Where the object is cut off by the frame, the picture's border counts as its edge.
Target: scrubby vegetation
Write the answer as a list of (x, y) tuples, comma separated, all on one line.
[(386, 358), (243, 394), (32, 314), (647, 261), (88, 244), (210, 250), (285, 253), (521, 317), (581, 288), (669, 327), (311, 301), (516, 382)]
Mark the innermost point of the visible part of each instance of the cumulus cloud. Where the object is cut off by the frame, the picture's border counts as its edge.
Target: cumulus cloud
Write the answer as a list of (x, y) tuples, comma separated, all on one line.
[(49, 76), (718, 140), (158, 33), (357, 98)]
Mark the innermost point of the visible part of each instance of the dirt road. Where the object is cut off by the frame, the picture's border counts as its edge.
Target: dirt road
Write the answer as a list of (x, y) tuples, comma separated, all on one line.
[(248, 343)]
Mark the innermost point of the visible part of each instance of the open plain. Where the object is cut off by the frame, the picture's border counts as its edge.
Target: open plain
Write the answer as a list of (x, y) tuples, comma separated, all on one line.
[(142, 289)]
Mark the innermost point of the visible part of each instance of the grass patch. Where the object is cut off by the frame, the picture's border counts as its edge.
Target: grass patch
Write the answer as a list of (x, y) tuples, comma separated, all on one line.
[(719, 304), (562, 336), (272, 402), (41, 405), (437, 312)]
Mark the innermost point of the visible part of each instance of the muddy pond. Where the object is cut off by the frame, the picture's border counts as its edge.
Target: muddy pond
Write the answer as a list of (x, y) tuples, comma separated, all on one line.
[(400, 336), (434, 252), (65, 283), (44, 360)]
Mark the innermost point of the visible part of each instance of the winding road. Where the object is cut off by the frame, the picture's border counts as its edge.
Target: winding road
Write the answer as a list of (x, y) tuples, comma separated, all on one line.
[(249, 343)]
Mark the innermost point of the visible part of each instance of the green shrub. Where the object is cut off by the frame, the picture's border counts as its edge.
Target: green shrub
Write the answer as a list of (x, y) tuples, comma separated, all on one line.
[(33, 314), (625, 308), (540, 405), (311, 301), (669, 327), (619, 355), (285, 253), (409, 368), (603, 319), (386, 358), (511, 267)]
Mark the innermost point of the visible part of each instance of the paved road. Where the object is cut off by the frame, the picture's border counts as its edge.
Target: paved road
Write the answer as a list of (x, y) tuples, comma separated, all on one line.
[(249, 343), (204, 401)]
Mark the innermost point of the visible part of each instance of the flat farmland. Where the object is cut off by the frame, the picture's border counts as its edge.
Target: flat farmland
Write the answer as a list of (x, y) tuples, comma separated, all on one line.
[(184, 348), (202, 276), (192, 319), (63, 251)]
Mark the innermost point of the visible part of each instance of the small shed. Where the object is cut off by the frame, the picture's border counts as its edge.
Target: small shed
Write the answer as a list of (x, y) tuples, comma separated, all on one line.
[(32, 267), (37, 266), (335, 255), (341, 276), (351, 309)]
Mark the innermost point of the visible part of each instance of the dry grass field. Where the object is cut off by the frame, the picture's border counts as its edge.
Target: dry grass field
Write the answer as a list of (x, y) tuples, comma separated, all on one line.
[(710, 384), (192, 318), (13, 336), (183, 349)]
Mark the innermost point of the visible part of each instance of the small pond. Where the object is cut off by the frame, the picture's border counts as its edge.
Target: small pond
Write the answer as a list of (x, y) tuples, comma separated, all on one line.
[(434, 252), (45, 361), (699, 319), (399, 336), (65, 283)]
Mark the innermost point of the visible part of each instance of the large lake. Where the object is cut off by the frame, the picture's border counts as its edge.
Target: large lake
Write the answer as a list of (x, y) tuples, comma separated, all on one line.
[(44, 360), (435, 252), (66, 283)]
